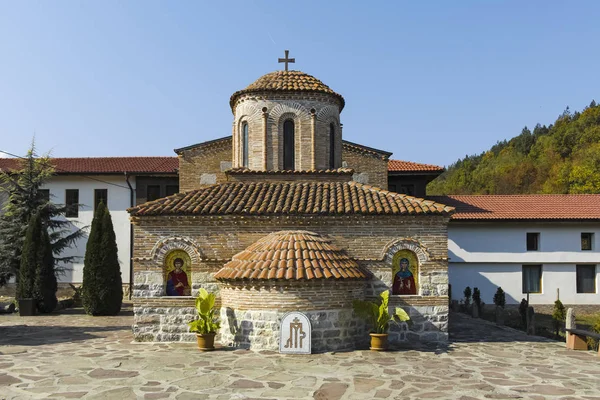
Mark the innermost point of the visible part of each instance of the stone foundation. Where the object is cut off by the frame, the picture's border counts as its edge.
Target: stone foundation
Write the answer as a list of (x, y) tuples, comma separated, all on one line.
[(163, 319), (332, 330)]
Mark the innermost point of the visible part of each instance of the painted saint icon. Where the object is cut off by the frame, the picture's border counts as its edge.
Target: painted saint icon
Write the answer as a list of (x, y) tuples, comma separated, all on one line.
[(405, 281), (177, 280)]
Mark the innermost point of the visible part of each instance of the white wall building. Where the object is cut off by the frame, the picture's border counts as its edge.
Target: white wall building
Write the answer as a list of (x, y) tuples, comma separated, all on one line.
[(544, 244), (121, 182)]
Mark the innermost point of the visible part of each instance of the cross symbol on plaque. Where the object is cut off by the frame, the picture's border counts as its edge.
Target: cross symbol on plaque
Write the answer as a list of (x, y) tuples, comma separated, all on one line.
[(287, 60)]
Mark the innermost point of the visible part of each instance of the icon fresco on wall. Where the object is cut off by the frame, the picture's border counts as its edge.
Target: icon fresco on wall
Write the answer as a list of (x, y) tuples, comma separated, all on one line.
[(405, 272), (177, 273)]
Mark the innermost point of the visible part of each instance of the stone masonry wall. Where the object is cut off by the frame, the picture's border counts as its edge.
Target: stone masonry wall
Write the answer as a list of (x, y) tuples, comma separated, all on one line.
[(204, 165), (214, 240), (275, 108), (368, 169)]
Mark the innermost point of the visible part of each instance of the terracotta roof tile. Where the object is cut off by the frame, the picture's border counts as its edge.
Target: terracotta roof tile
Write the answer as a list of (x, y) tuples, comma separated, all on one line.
[(286, 81), (247, 171), (523, 207), (105, 165), (274, 257), (268, 198), (409, 166)]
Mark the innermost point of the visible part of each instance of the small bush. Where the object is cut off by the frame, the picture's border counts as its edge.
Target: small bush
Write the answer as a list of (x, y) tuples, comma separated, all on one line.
[(594, 343), (559, 313), (500, 298), (467, 293), (477, 299), (523, 312)]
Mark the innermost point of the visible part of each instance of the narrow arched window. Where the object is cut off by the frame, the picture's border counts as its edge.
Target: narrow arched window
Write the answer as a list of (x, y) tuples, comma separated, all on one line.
[(288, 145), (245, 145), (331, 146)]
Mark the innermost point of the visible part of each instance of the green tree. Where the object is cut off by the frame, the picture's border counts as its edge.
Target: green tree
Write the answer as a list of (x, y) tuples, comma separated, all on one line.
[(559, 158), (102, 292), (29, 258), (36, 272), (22, 186), (45, 284)]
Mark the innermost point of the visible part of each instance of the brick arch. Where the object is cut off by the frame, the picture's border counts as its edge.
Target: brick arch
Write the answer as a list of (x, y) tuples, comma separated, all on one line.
[(288, 107), (250, 111), (328, 113), (405, 244), (165, 246)]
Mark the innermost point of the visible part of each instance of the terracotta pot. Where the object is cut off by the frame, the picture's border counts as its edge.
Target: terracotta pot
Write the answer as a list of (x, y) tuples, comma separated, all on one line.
[(27, 307), (379, 341), (206, 341)]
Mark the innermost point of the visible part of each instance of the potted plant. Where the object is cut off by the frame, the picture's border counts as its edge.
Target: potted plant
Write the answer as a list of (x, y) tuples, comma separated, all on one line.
[(377, 314), (207, 324)]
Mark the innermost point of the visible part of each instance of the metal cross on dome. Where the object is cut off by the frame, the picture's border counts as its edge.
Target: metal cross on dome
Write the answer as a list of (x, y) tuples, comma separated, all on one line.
[(287, 60)]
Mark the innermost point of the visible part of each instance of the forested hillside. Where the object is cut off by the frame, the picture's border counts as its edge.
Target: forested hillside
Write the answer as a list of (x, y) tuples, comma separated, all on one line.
[(560, 158)]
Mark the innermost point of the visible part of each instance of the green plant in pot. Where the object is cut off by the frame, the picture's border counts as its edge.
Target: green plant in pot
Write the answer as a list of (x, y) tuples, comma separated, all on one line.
[(207, 324), (378, 316)]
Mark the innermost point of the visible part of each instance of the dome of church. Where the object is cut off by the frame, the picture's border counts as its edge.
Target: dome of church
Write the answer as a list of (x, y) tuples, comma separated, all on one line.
[(291, 255), (287, 81)]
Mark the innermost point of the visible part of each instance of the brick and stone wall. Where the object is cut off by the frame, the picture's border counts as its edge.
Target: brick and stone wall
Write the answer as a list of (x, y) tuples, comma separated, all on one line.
[(265, 113), (368, 169), (211, 241), (204, 164)]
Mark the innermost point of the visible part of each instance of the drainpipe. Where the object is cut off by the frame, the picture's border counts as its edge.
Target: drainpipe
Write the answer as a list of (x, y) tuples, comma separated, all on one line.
[(131, 200)]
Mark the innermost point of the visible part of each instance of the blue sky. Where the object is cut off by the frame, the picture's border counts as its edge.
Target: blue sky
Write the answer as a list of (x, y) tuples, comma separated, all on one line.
[(429, 80)]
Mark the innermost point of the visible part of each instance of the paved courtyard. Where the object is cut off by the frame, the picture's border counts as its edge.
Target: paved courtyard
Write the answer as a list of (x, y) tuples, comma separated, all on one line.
[(71, 355)]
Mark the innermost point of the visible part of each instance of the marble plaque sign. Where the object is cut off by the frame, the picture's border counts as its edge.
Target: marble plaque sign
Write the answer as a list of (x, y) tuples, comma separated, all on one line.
[(295, 334)]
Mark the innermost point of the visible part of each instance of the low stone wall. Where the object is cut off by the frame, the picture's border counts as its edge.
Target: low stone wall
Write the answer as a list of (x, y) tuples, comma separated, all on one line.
[(332, 330), (429, 324), (163, 319), (63, 290)]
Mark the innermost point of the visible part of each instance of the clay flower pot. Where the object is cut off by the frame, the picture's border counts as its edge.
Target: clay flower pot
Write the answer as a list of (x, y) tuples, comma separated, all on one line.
[(206, 341), (27, 307), (379, 341)]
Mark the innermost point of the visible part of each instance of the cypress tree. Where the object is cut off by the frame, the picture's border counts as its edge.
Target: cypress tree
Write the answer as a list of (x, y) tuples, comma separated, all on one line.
[(45, 284), (29, 256), (102, 292)]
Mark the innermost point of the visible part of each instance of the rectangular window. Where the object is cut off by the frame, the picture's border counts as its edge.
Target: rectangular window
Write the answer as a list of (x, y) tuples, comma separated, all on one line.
[(586, 279), (407, 189), (172, 189), (152, 192), (100, 195), (586, 240), (532, 279), (533, 241), (72, 203), (44, 194)]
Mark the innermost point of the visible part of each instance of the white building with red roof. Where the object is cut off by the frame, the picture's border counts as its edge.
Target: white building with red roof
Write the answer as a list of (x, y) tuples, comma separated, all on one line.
[(544, 245)]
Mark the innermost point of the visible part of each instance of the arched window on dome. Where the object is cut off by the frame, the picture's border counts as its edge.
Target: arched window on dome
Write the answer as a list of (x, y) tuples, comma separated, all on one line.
[(288, 145), (331, 146), (245, 145)]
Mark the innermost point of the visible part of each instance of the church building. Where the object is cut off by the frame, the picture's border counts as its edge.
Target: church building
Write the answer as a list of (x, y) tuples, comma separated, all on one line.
[(284, 215)]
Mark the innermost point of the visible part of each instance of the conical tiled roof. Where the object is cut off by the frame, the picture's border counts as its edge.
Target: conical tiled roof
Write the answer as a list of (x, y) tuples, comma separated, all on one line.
[(291, 255), (286, 81)]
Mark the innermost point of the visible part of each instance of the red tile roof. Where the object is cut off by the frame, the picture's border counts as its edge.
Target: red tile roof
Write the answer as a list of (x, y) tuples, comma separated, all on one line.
[(291, 255), (409, 166), (286, 81), (523, 207), (281, 198), (105, 165)]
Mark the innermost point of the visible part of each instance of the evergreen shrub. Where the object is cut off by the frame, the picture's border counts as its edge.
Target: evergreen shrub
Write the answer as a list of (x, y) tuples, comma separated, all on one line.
[(500, 297), (102, 292)]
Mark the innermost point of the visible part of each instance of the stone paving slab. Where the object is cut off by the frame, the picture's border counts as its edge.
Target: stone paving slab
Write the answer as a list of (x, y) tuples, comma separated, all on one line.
[(71, 356)]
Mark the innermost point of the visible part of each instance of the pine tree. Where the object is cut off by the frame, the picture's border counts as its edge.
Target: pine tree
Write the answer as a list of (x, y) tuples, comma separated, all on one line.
[(24, 200), (102, 292)]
